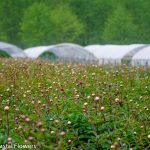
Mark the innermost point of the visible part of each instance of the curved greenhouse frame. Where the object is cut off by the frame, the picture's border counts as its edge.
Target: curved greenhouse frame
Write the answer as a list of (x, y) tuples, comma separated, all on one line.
[(111, 53), (64, 51), (142, 57), (35, 52), (11, 50)]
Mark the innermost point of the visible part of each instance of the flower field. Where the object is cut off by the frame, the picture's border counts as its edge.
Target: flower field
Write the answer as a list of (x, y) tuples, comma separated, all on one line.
[(72, 106)]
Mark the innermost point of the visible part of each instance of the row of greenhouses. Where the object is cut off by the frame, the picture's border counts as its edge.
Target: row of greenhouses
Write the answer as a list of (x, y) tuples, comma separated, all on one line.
[(101, 54)]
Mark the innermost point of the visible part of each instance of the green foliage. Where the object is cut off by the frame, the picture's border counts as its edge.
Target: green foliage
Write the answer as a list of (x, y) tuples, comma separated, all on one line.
[(41, 26), (48, 56), (59, 106), (4, 54), (10, 16), (93, 13), (120, 27), (42, 22), (36, 25), (65, 25), (140, 12)]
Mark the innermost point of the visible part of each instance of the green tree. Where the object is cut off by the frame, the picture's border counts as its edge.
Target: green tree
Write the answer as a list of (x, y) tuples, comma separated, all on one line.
[(93, 13), (11, 12), (120, 28), (42, 25), (86, 21), (35, 25), (141, 16), (66, 27)]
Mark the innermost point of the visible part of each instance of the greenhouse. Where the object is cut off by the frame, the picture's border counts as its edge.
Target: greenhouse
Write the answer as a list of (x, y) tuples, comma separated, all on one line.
[(71, 52), (9, 50), (142, 57), (103, 54), (111, 53), (36, 52)]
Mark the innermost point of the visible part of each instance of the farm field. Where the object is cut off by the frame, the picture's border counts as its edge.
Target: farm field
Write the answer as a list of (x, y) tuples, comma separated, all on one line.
[(54, 105)]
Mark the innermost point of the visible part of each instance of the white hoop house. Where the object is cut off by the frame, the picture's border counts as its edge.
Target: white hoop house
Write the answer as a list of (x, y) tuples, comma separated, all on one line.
[(111, 53), (11, 50), (62, 51), (142, 57)]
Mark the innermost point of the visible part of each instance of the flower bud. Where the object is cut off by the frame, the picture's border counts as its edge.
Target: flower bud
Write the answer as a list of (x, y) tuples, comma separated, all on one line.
[(102, 108), (6, 108)]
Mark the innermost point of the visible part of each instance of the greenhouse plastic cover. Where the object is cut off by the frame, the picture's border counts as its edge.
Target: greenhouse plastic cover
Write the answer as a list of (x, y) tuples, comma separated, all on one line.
[(12, 50), (35, 52), (142, 57), (64, 51), (143, 54), (111, 51)]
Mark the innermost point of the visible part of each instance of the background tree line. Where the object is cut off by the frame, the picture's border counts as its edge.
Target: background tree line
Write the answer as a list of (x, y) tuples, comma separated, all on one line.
[(45, 22)]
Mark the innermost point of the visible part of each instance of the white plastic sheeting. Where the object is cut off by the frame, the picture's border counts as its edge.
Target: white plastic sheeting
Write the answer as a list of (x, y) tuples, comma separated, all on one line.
[(135, 53), (12, 50), (131, 53), (142, 57), (35, 52), (62, 51), (111, 53)]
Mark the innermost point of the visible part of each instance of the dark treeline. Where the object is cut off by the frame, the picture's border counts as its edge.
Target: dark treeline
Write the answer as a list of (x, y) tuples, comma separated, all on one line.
[(44, 22)]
